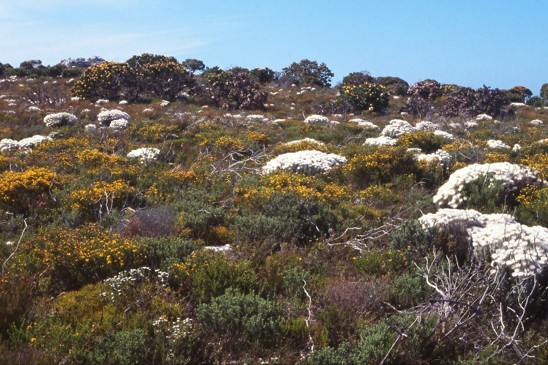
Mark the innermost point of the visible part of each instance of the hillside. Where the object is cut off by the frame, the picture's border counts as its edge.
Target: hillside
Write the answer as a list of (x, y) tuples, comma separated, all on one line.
[(157, 212)]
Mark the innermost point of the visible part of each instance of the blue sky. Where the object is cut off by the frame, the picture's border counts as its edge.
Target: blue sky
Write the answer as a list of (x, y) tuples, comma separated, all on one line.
[(499, 43)]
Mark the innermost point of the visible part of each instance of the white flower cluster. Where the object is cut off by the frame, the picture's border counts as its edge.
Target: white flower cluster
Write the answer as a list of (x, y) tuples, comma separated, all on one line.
[(144, 154), (426, 125), (105, 117), (173, 330), (118, 124), (481, 117), (164, 103), (128, 278), (536, 122), (510, 175), (7, 144), (363, 123), (304, 140), (317, 119), (518, 105), (59, 119), (440, 156), (522, 248), (445, 135), (309, 161), (380, 141), (219, 249), (496, 144), (397, 128)]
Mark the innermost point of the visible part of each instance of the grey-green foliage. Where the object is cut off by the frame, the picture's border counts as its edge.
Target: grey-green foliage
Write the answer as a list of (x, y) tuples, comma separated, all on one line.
[(238, 319)]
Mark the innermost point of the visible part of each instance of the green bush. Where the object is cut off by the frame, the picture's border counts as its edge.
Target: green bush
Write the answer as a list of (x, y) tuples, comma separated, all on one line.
[(108, 80), (235, 322), (306, 72), (366, 96)]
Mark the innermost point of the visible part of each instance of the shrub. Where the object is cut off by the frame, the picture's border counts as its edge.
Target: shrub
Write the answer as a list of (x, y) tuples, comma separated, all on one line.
[(72, 258), (417, 107), (108, 80), (307, 72), (358, 78), (379, 165), (393, 85), (235, 90), (161, 76), (235, 322), (426, 89), (461, 102), (427, 141), (366, 96), (489, 101), (544, 91), (263, 75), (23, 192), (193, 65)]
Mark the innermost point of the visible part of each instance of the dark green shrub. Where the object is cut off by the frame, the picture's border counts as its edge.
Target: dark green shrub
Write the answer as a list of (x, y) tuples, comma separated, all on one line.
[(489, 101), (536, 101), (234, 90), (393, 85), (161, 76), (307, 72), (263, 75), (358, 78), (285, 217), (235, 322), (408, 290), (417, 107), (193, 65), (460, 102), (544, 91)]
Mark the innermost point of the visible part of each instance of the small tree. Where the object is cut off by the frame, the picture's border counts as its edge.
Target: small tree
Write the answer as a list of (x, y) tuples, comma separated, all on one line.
[(357, 78), (308, 72), (193, 65), (263, 75), (519, 94)]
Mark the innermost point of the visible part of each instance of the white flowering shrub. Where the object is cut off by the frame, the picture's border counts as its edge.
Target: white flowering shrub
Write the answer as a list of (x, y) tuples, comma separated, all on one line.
[(128, 279), (440, 156), (508, 243), (255, 117), (511, 178), (33, 141), (536, 122), (363, 123), (309, 161), (144, 154), (380, 141), (164, 103), (7, 144), (90, 127), (496, 144), (397, 128), (317, 119), (445, 135), (118, 124), (59, 119), (107, 116)]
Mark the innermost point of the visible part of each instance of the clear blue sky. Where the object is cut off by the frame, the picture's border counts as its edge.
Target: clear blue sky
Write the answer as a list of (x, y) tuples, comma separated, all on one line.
[(500, 43)]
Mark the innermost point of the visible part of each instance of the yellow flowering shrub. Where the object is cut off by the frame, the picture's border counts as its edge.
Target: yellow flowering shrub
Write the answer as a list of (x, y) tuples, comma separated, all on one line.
[(108, 80), (74, 257), (539, 162), (22, 191), (101, 196), (427, 141), (306, 186), (496, 156), (379, 165), (302, 145), (229, 143)]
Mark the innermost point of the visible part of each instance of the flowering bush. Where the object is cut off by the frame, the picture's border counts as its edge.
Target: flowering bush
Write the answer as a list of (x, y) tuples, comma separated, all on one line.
[(144, 154), (300, 145), (397, 128), (511, 178), (366, 96), (59, 119), (33, 141), (426, 89), (317, 119), (20, 192), (235, 90), (380, 141), (309, 162), (107, 116), (107, 80), (508, 243)]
